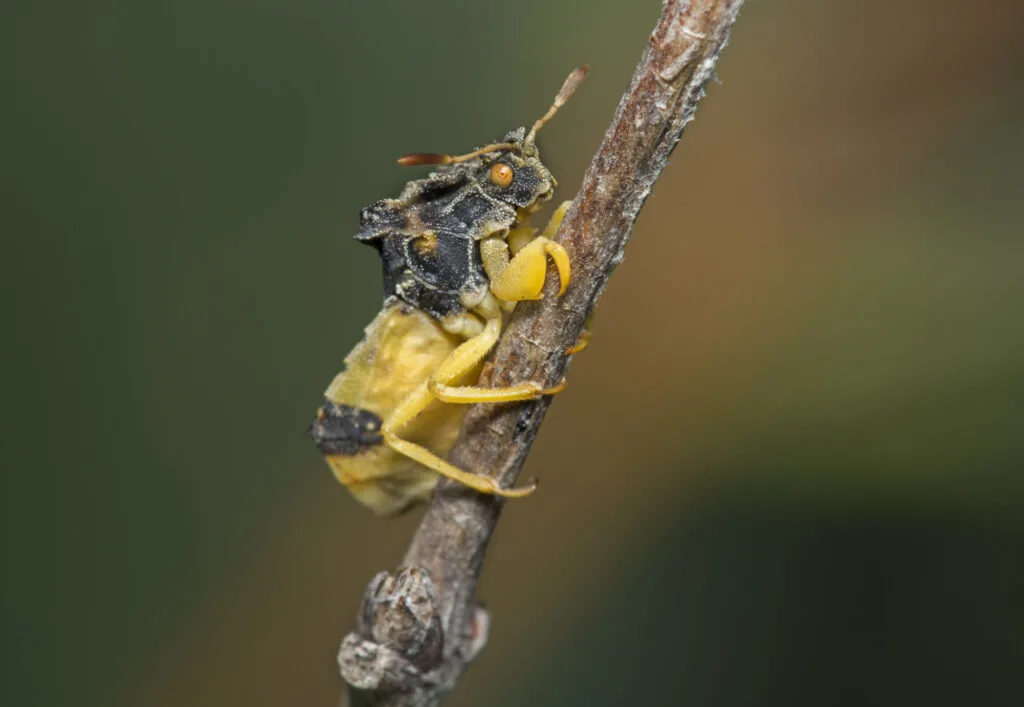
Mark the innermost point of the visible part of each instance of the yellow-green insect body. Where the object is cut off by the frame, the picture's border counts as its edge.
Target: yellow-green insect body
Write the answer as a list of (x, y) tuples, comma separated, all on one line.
[(403, 346), (458, 251)]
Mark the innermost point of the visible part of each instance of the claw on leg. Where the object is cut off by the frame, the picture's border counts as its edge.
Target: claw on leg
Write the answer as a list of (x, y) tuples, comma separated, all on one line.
[(584, 340), (581, 343)]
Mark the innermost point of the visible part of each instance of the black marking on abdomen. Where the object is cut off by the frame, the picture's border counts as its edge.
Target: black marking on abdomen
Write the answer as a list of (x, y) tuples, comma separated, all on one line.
[(344, 429)]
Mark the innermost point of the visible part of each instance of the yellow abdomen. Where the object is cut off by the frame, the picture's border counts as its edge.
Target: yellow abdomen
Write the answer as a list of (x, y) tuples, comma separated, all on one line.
[(401, 350)]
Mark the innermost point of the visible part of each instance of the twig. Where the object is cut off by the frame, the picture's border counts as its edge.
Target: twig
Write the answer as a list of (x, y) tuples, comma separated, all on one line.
[(418, 631)]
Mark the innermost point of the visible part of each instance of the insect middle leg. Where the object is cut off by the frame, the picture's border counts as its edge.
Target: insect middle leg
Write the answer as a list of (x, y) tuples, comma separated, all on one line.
[(464, 359), (410, 407), (414, 404), (467, 357)]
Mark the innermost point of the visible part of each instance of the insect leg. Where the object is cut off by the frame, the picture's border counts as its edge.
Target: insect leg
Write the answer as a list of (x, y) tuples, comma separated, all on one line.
[(522, 277), (584, 340), (556, 220), (411, 406), (467, 357), (459, 363)]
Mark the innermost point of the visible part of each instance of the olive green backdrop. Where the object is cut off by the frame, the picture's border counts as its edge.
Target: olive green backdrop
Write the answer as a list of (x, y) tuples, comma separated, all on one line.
[(787, 471)]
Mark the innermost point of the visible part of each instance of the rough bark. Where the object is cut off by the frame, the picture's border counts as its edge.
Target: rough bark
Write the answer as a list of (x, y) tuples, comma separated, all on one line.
[(419, 630)]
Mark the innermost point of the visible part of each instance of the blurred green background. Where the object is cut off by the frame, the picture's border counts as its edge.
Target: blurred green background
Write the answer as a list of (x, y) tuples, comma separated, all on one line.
[(787, 471)]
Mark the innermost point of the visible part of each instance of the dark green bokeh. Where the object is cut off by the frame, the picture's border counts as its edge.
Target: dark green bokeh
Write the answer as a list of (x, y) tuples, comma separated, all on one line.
[(760, 599)]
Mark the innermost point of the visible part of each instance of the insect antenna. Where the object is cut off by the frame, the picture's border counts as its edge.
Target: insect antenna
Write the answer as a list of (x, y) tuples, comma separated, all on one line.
[(417, 158), (568, 88)]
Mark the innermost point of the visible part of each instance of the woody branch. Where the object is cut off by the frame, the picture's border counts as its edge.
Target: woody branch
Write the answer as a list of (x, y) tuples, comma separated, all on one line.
[(418, 631)]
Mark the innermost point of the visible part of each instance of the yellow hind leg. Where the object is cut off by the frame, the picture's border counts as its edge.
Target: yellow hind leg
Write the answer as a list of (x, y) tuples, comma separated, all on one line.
[(460, 362)]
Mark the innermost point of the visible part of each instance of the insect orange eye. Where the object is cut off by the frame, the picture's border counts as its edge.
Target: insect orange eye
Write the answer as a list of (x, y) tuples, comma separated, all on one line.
[(501, 174)]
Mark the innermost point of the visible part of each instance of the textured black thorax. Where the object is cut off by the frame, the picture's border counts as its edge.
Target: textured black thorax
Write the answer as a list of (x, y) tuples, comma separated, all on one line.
[(428, 237)]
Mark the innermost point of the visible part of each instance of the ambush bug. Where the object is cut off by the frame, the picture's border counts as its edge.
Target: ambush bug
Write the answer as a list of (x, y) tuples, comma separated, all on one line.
[(458, 251)]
